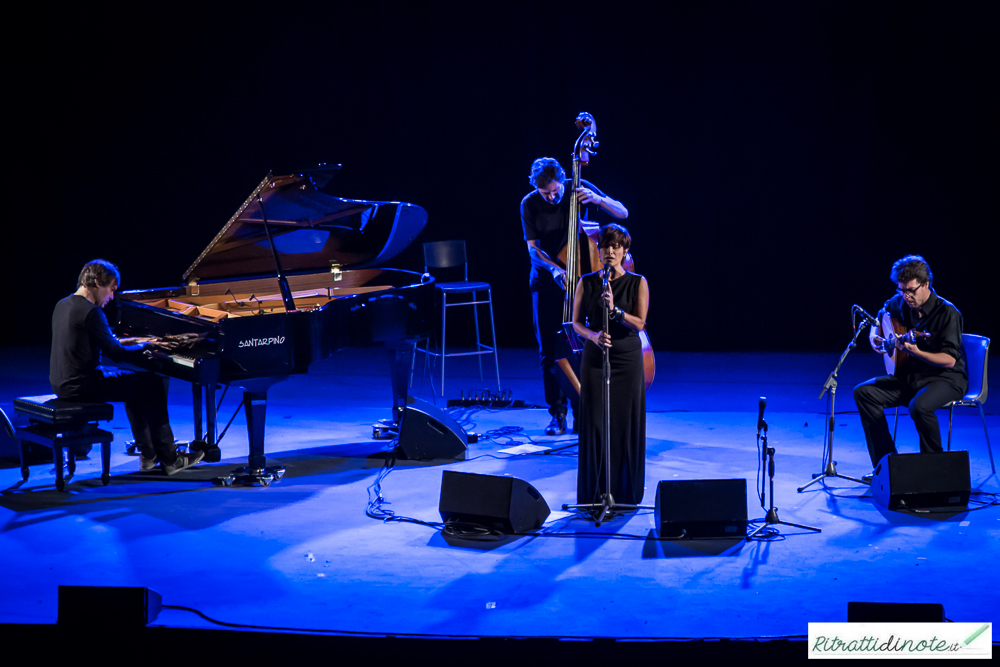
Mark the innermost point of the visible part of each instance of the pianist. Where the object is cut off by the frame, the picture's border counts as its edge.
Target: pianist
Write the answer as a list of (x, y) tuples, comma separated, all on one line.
[(80, 334)]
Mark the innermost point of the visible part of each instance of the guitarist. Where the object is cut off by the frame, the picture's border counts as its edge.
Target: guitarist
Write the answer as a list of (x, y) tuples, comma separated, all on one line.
[(545, 221), (934, 372)]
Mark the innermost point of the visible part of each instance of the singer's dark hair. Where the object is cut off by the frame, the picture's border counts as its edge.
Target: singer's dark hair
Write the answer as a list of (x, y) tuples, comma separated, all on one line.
[(544, 170), (612, 234), (911, 267), (98, 273)]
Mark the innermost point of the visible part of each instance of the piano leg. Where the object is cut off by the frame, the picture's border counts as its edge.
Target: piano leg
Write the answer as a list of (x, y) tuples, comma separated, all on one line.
[(196, 403), (401, 372), (212, 432), (255, 408), (205, 440)]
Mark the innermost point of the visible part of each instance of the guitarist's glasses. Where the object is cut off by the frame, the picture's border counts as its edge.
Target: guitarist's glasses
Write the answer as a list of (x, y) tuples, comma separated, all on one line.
[(911, 291)]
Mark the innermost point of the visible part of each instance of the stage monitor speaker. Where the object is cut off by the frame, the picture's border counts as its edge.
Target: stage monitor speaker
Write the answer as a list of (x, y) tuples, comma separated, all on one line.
[(427, 432), (507, 504), (701, 508), (911, 481), (894, 612), (119, 606)]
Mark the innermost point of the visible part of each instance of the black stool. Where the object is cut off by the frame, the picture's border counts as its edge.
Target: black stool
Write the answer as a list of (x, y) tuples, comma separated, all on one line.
[(62, 424)]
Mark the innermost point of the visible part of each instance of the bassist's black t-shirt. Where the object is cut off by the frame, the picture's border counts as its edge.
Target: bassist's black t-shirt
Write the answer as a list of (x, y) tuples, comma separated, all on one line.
[(549, 223)]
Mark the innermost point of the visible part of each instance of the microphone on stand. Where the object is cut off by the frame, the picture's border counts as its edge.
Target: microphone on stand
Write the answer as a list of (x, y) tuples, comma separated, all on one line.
[(761, 426), (868, 319), (605, 280)]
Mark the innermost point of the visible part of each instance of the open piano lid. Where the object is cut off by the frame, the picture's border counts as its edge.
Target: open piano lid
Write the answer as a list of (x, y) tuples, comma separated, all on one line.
[(311, 230)]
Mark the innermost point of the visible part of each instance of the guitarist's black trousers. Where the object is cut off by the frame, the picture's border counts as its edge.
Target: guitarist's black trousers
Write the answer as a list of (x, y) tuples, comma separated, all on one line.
[(875, 395)]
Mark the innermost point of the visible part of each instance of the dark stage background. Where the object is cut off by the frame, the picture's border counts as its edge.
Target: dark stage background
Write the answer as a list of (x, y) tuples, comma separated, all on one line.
[(775, 157)]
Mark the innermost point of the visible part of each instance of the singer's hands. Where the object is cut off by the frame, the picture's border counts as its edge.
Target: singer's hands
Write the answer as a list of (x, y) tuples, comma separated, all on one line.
[(601, 339), (609, 300)]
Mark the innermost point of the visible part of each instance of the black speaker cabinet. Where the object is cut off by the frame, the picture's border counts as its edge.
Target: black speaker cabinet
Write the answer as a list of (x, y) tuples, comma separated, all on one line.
[(427, 432), (911, 481), (507, 504), (894, 612), (701, 508), (118, 606)]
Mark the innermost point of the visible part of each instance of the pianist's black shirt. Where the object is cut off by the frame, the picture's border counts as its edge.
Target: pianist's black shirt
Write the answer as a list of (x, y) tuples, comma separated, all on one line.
[(80, 333)]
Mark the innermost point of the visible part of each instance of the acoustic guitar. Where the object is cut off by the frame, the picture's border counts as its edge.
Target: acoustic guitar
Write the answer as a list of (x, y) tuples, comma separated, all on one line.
[(890, 330)]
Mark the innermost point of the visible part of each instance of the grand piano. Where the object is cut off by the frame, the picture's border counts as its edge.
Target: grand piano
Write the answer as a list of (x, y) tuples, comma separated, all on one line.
[(295, 275)]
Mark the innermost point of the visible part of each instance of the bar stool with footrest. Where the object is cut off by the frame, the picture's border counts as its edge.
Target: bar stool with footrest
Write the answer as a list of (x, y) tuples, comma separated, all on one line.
[(445, 255), (61, 424)]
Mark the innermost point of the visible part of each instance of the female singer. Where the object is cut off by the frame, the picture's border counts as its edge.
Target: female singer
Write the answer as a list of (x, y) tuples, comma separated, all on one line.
[(627, 300)]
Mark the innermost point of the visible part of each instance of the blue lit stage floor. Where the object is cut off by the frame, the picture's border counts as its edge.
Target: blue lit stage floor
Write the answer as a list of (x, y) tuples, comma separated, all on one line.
[(302, 554)]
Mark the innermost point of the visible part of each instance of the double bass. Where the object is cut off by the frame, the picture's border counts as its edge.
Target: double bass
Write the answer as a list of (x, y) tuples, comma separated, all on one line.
[(580, 255)]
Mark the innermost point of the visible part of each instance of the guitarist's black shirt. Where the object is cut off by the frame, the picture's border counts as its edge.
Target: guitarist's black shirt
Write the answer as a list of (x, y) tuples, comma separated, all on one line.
[(942, 320)]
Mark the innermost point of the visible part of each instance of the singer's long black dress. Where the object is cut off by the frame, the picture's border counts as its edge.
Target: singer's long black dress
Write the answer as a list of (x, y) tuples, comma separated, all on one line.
[(628, 399)]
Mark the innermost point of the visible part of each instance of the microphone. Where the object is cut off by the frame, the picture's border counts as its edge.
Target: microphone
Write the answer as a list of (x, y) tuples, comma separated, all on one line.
[(606, 275), (868, 319), (761, 426)]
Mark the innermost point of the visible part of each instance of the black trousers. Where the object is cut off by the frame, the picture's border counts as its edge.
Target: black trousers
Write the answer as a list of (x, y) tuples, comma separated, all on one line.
[(875, 395), (547, 304), (145, 399)]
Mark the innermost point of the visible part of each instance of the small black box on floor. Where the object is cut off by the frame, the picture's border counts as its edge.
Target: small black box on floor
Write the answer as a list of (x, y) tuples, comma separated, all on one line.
[(911, 481), (120, 606), (894, 612), (507, 504), (427, 432), (701, 508)]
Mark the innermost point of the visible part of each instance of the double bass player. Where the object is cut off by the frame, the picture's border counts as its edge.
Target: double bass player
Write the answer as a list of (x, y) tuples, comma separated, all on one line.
[(545, 213)]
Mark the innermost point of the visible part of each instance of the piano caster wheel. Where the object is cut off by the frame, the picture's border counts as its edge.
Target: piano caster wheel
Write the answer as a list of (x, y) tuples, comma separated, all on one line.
[(250, 476), (130, 448), (385, 429), (224, 481)]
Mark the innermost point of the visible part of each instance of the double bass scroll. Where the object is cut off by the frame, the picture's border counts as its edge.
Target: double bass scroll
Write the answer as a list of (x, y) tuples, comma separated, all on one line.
[(580, 255)]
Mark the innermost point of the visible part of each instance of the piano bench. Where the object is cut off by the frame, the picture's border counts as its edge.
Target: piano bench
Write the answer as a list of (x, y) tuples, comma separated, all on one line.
[(60, 424)]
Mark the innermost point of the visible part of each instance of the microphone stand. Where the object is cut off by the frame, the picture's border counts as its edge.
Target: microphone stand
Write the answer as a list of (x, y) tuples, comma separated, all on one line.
[(767, 457), (830, 389), (607, 505)]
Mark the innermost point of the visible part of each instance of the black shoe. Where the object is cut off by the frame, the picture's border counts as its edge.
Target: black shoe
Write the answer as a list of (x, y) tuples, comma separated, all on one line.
[(212, 453), (182, 462), (557, 426)]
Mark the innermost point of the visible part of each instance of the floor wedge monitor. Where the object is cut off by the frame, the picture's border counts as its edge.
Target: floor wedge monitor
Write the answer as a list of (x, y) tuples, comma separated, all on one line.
[(506, 504), (700, 508), (107, 606), (912, 481), (427, 432)]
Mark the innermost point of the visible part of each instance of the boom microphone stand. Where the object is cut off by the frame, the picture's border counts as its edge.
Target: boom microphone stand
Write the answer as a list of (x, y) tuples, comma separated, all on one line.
[(607, 505), (830, 389), (767, 457)]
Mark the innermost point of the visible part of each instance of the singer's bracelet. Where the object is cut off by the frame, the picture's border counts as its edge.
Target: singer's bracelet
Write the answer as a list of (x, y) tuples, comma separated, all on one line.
[(618, 315)]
